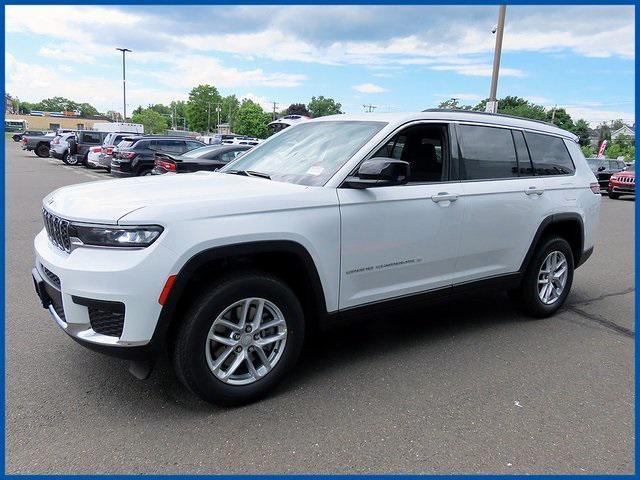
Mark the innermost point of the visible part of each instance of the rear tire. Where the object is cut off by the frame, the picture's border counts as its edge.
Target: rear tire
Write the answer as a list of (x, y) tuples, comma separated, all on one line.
[(42, 151), (222, 307), (541, 294), (72, 160), (144, 173)]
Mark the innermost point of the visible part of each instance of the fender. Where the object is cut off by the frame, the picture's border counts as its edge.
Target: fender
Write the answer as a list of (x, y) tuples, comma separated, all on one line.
[(241, 249), (548, 221)]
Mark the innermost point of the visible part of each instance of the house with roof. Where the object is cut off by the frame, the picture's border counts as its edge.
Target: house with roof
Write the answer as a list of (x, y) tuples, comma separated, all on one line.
[(625, 130)]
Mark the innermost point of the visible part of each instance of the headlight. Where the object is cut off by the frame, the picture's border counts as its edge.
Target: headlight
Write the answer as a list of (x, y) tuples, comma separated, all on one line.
[(614, 177), (113, 236)]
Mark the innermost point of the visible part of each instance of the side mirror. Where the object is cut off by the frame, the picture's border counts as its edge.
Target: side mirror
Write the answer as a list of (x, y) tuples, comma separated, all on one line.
[(601, 169), (380, 172)]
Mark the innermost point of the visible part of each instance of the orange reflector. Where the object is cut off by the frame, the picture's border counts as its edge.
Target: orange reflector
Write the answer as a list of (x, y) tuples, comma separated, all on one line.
[(167, 288)]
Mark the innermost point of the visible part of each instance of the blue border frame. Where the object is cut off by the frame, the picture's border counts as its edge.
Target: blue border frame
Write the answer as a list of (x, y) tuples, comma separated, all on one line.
[(312, 2)]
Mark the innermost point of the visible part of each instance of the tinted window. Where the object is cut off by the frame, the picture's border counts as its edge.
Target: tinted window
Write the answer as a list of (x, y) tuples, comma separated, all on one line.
[(170, 146), (549, 154), (487, 152), (524, 161), (191, 145), (91, 137), (141, 144), (228, 156)]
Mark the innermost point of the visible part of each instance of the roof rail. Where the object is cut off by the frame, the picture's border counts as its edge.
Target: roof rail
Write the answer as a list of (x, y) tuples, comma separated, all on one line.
[(476, 112)]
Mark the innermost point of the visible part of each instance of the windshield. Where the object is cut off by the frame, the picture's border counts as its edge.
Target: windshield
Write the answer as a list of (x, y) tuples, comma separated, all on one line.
[(594, 162), (199, 152), (309, 153)]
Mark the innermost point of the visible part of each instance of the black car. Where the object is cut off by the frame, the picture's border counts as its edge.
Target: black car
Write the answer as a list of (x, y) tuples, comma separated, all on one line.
[(603, 168), (209, 158), (135, 155), (79, 149), (18, 136)]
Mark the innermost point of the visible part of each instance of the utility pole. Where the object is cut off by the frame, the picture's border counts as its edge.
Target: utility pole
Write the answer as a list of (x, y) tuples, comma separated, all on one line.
[(369, 108), (492, 103), (274, 110), (124, 84), (218, 109), (553, 113)]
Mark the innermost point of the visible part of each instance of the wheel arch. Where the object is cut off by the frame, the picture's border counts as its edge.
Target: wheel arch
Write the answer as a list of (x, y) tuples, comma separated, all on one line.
[(570, 226), (297, 269)]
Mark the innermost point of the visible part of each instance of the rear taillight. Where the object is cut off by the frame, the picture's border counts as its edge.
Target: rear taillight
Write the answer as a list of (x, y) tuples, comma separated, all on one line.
[(96, 149), (127, 155), (55, 141), (168, 166), (595, 187), (24, 140), (109, 151)]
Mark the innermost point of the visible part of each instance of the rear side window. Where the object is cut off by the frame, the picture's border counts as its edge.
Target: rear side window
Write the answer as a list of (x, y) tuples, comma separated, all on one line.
[(487, 152), (170, 146), (193, 145), (141, 144), (549, 155), (91, 137)]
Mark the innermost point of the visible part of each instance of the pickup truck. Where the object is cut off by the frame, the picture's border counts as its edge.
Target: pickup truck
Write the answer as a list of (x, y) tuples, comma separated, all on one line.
[(18, 136), (39, 144)]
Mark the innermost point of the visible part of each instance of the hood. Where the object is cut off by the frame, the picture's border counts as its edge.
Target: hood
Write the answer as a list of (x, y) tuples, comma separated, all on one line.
[(109, 200)]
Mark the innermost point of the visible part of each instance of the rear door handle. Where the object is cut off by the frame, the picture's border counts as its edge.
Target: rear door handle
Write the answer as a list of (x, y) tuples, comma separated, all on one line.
[(534, 191), (444, 197)]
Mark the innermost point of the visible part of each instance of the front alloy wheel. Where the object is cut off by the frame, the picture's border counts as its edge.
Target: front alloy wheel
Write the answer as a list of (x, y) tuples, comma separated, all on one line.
[(246, 341)]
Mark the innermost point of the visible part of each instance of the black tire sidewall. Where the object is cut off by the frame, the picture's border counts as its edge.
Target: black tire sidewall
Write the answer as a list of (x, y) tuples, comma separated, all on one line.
[(529, 290), (41, 150), (190, 357)]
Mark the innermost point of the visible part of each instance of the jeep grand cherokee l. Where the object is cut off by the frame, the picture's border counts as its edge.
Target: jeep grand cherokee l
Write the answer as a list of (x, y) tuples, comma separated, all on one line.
[(228, 270)]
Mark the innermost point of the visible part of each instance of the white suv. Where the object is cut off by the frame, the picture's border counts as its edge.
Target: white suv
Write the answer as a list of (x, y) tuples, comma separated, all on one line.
[(227, 270)]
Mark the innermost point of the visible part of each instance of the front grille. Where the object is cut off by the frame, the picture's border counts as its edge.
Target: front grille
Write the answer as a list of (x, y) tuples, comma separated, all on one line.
[(57, 230), (107, 321), (51, 276), (626, 179)]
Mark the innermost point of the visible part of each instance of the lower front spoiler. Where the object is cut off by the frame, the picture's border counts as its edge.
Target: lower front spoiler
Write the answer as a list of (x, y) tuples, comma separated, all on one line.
[(51, 299)]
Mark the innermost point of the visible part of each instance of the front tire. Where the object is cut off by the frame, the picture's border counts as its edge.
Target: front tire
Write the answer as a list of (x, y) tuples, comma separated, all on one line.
[(547, 280), (240, 339), (614, 196)]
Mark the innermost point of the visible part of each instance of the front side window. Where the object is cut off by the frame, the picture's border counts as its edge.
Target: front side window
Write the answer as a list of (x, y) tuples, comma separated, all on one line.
[(423, 147), (170, 146), (487, 153), (549, 154), (309, 153)]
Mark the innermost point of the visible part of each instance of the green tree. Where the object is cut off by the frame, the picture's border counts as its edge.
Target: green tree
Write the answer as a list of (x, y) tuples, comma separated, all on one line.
[(230, 106), (201, 108), (453, 104), (622, 146), (321, 106), (604, 132), (617, 124), (560, 118), (178, 109), (587, 151), (517, 106), (153, 121), (582, 130), (87, 110), (297, 109), (251, 120)]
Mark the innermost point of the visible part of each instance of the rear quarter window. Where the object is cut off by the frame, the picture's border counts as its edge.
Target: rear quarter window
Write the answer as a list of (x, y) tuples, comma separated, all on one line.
[(549, 155)]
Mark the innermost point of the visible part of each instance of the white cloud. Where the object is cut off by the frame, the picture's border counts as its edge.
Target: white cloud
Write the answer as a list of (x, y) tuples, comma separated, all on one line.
[(264, 102), (595, 115), (478, 70), (369, 88)]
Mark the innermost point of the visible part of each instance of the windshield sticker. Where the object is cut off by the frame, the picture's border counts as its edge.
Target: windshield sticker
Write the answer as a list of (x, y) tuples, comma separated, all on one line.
[(315, 170)]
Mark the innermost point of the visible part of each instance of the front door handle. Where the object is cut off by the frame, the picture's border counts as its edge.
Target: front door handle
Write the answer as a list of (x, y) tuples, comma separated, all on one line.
[(534, 191), (444, 197)]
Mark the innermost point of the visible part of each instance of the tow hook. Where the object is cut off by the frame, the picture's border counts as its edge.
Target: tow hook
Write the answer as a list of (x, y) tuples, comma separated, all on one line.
[(141, 369)]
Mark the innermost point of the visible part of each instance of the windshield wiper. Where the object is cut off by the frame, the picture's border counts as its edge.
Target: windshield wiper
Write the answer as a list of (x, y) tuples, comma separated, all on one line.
[(249, 173)]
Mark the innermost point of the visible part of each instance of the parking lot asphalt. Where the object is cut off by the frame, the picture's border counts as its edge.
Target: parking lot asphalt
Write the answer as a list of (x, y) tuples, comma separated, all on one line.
[(468, 386)]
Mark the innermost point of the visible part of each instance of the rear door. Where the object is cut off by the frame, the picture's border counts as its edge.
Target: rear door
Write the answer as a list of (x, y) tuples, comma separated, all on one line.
[(505, 201)]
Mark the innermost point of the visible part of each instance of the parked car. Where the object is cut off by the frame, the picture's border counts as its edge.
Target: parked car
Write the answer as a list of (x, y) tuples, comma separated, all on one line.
[(340, 215), (208, 158), (103, 159), (135, 156), (623, 183), (62, 145), (603, 168), (241, 140), (85, 140), (18, 136), (39, 144)]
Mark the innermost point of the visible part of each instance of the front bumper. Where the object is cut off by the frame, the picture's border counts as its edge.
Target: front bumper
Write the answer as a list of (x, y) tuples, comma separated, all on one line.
[(622, 188), (71, 284)]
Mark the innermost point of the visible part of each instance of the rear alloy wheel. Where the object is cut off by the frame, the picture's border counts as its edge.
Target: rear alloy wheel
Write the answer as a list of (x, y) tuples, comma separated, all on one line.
[(72, 160), (240, 338), (42, 151), (548, 279)]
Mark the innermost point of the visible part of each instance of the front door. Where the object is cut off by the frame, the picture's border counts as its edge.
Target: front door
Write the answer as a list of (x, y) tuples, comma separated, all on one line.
[(402, 240)]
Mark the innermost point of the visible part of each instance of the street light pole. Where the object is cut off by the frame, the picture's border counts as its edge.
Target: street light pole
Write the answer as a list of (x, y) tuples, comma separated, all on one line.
[(492, 103), (124, 84)]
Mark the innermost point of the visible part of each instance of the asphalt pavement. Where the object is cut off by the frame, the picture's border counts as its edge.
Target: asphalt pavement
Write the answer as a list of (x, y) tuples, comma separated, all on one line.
[(468, 386)]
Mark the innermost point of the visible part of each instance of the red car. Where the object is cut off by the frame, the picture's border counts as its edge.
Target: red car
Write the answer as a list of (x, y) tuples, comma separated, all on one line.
[(623, 183)]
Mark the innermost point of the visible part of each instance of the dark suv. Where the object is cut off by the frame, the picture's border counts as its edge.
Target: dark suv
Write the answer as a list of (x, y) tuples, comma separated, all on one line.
[(135, 155), (603, 168), (84, 140)]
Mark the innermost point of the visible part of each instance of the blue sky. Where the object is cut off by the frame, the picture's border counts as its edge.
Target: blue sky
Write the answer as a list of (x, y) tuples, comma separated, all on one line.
[(395, 57)]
